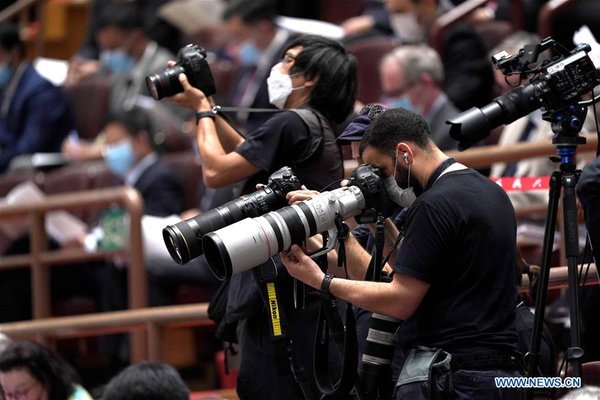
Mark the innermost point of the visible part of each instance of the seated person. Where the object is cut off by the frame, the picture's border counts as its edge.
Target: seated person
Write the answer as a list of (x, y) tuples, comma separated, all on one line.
[(34, 114), (144, 381), (131, 153), (29, 370)]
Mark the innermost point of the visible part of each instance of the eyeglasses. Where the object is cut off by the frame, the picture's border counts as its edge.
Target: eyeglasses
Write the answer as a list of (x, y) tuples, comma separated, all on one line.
[(21, 393)]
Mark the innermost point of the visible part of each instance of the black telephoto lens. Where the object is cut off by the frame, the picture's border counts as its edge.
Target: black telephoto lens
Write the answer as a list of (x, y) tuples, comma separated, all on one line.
[(166, 83)]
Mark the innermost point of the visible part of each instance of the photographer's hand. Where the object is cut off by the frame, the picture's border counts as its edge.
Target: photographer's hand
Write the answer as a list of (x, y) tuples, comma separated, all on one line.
[(191, 97), (302, 267), (303, 194)]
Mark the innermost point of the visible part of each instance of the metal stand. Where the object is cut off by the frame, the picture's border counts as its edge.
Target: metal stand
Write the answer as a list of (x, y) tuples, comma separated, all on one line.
[(566, 124)]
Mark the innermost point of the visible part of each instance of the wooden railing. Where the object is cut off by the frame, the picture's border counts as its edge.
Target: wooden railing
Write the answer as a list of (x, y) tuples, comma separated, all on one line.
[(150, 320), (20, 10), (40, 259)]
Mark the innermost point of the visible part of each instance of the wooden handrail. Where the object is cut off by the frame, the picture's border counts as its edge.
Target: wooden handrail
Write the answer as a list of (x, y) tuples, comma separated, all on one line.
[(150, 320), (40, 258), (20, 8), (484, 156), (559, 278), (15, 9)]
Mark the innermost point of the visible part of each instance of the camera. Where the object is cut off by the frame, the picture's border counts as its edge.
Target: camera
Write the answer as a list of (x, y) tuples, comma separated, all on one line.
[(184, 239), (556, 86), (191, 60), (252, 241)]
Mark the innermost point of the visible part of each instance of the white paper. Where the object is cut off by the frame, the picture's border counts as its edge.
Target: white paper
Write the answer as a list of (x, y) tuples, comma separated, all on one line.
[(191, 16), (584, 35), (310, 26), (60, 225)]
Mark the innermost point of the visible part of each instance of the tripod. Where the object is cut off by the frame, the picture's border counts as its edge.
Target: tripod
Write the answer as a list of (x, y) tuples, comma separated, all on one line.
[(566, 124)]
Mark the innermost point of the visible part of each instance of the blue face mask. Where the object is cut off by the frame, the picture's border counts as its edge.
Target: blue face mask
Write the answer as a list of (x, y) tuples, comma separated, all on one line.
[(117, 61), (6, 73), (249, 54), (400, 102), (120, 157)]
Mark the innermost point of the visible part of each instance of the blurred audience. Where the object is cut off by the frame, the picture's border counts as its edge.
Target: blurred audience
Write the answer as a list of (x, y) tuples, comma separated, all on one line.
[(408, 20), (257, 45), (130, 153), (412, 77), (29, 370), (34, 114), (147, 381)]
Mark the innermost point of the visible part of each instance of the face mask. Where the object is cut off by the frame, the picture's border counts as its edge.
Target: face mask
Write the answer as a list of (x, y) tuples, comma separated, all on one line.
[(402, 197), (117, 61), (400, 102), (6, 74), (120, 158), (406, 27), (249, 54), (279, 86)]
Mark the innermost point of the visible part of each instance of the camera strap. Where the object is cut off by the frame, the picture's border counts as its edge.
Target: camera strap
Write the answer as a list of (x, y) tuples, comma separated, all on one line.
[(330, 323), (283, 353), (375, 265)]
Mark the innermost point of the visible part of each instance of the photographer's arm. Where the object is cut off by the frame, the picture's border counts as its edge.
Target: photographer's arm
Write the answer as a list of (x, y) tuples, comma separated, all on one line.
[(399, 298), (220, 167)]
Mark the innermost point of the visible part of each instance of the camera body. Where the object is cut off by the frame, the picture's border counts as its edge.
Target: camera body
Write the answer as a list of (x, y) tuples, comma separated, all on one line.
[(369, 180), (184, 239), (191, 60), (556, 86)]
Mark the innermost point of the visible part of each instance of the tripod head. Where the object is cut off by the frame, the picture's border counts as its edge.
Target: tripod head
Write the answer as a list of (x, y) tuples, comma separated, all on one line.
[(566, 124)]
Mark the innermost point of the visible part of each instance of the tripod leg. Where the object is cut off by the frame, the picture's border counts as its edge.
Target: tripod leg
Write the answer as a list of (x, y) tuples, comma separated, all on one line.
[(574, 352), (542, 289)]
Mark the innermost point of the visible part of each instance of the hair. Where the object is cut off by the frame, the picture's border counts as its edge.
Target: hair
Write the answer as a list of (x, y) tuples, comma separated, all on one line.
[(251, 11), (416, 60), (516, 41), (334, 68), (396, 125), (147, 381), (125, 16), (134, 121), (9, 37), (52, 371)]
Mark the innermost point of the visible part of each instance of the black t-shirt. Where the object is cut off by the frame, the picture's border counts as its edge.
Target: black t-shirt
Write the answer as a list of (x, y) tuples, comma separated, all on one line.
[(279, 142), (460, 238)]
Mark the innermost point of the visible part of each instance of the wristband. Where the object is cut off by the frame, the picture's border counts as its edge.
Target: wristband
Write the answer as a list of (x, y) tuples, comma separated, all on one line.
[(325, 285), (207, 114), (204, 114)]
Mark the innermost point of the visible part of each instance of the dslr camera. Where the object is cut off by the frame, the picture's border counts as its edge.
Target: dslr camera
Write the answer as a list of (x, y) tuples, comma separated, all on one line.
[(184, 239), (252, 241), (191, 60), (556, 86)]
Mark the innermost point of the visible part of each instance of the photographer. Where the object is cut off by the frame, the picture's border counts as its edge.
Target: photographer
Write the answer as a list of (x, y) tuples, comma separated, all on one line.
[(453, 279), (317, 79)]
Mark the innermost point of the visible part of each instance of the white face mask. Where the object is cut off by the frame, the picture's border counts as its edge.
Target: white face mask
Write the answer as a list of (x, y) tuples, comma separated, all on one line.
[(402, 197), (279, 86)]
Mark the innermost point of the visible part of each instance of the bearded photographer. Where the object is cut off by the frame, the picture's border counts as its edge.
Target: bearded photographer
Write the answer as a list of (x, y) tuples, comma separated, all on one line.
[(453, 278), (316, 78)]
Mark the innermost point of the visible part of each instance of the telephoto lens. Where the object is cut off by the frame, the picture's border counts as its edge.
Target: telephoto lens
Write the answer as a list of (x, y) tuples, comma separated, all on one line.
[(252, 241), (184, 239)]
